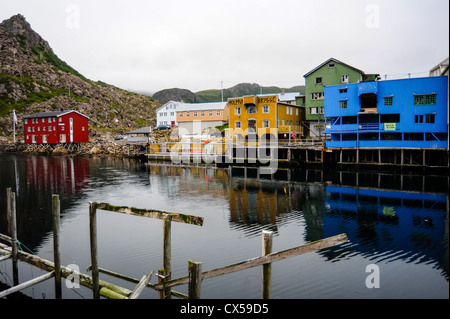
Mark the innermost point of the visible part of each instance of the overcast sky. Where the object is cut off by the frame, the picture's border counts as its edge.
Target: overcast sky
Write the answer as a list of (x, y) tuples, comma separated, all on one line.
[(146, 46)]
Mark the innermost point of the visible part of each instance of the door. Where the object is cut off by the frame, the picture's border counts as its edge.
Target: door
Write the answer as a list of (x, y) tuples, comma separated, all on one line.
[(251, 125)]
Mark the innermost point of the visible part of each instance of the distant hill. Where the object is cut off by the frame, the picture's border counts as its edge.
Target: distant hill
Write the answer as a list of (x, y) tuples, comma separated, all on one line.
[(34, 79), (241, 89)]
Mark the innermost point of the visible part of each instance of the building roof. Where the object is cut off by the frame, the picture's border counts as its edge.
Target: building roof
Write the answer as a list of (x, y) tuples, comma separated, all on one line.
[(169, 103), (334, 60), (440, 68), (201, 106), (142, 130), (52, 114)]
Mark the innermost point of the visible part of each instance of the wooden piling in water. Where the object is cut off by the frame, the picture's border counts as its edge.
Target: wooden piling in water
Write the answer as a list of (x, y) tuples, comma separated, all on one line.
[(167, 250), (195, 279), (56, 208), (11, 212), (267, 239), (93, 246)]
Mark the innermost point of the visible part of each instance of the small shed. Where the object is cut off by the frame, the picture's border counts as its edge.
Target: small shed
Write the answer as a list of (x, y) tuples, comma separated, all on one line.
[(139, 136)]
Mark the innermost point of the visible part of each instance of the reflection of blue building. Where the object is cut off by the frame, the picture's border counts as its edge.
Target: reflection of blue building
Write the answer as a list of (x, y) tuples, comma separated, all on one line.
[(393, 222), (408, 113)]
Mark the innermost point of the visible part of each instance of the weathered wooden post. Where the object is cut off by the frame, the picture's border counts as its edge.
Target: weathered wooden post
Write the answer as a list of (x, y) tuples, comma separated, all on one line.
[(56, 209), (195, 279), (11, 215), (167, 242), (267, 237), (94, 256)]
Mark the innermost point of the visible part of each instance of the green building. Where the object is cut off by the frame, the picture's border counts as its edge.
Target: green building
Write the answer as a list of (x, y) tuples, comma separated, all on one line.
[(330, 72)]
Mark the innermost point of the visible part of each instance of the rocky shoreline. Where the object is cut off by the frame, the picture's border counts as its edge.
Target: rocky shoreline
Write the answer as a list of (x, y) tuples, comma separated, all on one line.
[(85, 149)]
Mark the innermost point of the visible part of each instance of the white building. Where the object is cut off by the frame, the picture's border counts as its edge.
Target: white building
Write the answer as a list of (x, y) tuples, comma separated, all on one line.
[(167, 114)]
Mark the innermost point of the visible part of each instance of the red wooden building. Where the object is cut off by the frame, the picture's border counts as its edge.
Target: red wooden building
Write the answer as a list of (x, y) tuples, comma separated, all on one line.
[(56, 127)]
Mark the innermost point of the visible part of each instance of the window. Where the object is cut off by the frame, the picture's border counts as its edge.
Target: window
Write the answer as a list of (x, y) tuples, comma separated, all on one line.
[(237, 110), (318, 80), (218, 112), (60, 119), (29, 129), (388, 101), (181, 114), (237, 124), (296, 111), (343, 104), (317, 96), (429, 118), (49, 128), (172, 113), (188, 114), (82, 128), (418, 119), (313, 110), (331, 66), (266, 123), (203, 113), (251, 109), (425, 99), (321, 110), (343, 90), (210, 113), (266, 108), (344, 78), (62, 128), (195, 113)]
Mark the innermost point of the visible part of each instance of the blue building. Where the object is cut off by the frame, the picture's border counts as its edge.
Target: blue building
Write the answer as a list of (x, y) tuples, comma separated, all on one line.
[(406, 113)]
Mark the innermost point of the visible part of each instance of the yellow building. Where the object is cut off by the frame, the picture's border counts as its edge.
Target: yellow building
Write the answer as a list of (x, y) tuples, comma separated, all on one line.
[(263, 115)]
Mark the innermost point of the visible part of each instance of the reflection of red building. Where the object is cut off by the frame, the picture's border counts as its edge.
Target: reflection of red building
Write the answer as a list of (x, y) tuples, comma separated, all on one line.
[(57, 175), (56, 127)]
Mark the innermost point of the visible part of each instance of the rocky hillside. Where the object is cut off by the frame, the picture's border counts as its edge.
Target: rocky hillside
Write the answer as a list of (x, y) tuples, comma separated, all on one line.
[(176, 94), (33, 79), (241, 89)]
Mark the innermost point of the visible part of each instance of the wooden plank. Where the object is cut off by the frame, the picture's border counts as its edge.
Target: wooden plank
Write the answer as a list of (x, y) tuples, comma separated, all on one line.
[(5, 238), (5, 257), (140, 286), (26, 284), (151, 213), (47, 265), (259, 261)]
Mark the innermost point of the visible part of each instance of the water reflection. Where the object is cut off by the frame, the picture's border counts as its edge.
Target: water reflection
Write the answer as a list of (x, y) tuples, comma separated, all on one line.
[(389, 218), (390, 224), (34, 179)]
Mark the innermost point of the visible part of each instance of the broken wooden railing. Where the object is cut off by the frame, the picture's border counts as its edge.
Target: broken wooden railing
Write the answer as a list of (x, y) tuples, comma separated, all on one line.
[(165, 283), (195, 275), (164, 274)]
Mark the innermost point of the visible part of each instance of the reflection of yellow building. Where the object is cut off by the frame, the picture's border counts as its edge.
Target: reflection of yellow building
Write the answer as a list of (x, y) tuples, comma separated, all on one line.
[(265, 114)]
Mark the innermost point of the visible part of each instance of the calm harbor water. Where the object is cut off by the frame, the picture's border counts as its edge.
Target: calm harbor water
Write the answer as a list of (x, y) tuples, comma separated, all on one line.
[(397, 222)]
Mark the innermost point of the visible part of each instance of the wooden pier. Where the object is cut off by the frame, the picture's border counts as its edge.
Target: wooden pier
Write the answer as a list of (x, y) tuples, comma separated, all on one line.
[(165, 283), (302, 153)]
